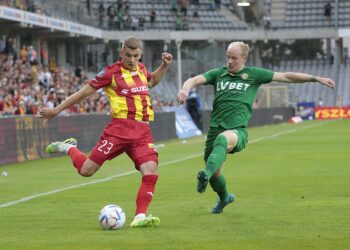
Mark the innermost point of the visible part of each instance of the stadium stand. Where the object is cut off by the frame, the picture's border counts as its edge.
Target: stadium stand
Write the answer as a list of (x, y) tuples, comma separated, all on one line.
[(171, 16), (297, 14), (197, 56)]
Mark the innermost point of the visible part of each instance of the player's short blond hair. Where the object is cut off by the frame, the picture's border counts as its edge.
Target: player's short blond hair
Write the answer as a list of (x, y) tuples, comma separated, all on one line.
[(132, 43), (244, 47)]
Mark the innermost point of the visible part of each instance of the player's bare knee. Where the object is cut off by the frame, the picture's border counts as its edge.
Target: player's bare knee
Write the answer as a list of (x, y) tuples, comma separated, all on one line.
[(89, 169), (149, 168)]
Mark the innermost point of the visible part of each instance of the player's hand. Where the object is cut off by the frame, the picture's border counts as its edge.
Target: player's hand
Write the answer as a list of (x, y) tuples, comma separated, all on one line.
[(167, 58), (182, 96), (326, 81), (47, 114)]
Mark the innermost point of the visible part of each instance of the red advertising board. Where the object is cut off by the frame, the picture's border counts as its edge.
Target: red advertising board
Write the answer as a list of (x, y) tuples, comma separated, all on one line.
[(332, 112)]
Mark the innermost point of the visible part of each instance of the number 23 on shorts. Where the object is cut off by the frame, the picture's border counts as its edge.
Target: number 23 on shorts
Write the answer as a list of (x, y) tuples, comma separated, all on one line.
[(105, 147)]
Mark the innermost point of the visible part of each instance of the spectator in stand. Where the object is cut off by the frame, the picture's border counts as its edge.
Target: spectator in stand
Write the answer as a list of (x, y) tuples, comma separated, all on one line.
[(101, 14), (10, 47), (43, 54), (152, 17), (120, 19), (111, 12), (134, 23), (23, 54), (20, 109), (178, 21), (328, 11), (127, 22), (45, 78), (33, 55), (141, 22), (78, 71)]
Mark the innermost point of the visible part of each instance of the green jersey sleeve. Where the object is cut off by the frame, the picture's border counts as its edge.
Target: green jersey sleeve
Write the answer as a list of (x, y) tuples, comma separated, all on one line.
[(211, 75), (263, 75)]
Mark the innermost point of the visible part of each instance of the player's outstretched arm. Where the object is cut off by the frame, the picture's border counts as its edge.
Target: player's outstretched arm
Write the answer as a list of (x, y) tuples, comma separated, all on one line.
[(158, 74), (188, 85), (295, 77), (49, 113)]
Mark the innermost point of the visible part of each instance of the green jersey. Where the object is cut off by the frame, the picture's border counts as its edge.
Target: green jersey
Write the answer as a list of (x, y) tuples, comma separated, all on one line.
[(235, 94)]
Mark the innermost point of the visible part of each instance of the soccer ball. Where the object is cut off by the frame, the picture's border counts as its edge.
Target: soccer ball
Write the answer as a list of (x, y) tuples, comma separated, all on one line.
[(112, 217)]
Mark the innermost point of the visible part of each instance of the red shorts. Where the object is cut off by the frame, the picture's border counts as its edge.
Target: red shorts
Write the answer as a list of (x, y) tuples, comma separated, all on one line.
[(124, 135)]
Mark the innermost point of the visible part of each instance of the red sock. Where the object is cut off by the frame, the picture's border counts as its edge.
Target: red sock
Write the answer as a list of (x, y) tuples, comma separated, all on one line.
[(78, 158), (145, 193)]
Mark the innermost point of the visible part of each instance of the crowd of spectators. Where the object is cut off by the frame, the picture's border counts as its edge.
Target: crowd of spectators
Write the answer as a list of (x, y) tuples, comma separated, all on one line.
[(25, 86)]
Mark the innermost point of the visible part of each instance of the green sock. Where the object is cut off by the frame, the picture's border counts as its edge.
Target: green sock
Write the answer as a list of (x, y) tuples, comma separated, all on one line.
[(217, 156), (218, 184)]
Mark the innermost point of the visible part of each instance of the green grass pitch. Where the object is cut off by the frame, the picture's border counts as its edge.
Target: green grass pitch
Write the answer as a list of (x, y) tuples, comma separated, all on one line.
[(291, 184)]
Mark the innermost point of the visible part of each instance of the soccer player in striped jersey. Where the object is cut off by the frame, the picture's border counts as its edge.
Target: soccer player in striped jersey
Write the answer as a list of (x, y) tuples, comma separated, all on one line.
[(235, 89), (126, 84)]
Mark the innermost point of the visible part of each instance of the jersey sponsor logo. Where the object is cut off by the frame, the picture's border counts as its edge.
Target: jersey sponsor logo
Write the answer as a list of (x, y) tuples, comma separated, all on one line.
[(101, 73), (139, 89), (134, 73), (125, 91), (244, 76), (232, 86)]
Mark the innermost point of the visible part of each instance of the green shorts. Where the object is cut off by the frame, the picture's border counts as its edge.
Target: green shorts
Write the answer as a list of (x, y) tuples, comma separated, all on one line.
[(214, 132)]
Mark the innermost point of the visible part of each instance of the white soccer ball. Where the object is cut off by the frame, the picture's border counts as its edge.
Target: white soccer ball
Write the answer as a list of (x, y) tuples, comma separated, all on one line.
[(112, 217)]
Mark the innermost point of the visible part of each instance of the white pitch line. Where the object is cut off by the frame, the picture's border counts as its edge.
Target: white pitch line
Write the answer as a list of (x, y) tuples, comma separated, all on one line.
[(28, 198)]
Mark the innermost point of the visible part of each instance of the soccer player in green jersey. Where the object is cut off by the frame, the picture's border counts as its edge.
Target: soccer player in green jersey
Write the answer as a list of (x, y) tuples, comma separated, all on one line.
[(235, 89)]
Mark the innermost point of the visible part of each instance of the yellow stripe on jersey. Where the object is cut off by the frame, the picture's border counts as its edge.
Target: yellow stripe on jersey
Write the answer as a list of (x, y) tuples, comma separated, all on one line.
[(114, 84), (138, 106), (118, 104), (127, 77), (150, 112), (141, 75)]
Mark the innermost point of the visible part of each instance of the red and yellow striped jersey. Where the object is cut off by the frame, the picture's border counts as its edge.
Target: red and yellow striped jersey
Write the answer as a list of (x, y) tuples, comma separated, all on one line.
[(127, 91)]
